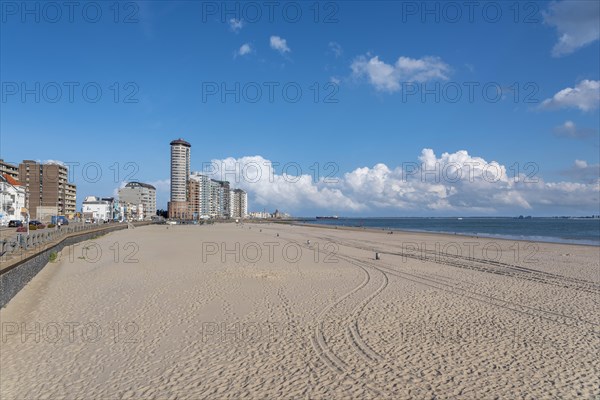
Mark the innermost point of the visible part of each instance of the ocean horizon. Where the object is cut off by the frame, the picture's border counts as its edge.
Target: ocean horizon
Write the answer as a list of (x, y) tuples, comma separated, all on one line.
[(568, 230)]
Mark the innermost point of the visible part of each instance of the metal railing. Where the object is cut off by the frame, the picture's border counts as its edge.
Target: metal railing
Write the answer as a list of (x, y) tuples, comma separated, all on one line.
[(22, 242)]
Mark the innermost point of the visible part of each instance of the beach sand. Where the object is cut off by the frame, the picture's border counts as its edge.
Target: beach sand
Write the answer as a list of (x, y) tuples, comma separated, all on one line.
[(256, 311)]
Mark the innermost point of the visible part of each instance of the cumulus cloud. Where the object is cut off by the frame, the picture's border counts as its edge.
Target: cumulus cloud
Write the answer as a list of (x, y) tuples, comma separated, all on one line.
[(244, 49), (450, 183), (236, 25), (582, 171), (389, 78), (162, 185), (570, 130), (584, 96), (257, 175), (577, 23), (279, 44)]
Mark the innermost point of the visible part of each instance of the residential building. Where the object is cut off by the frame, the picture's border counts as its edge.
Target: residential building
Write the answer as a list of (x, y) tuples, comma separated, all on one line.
[(194, 198), (12, 199), (70, 198), (97, 209), (140, 193), (132, 212), (9, 169), (216, 205), (260, 215), (48, 189), (180, 172), (211, 198), (226, 199), (203, 194), (239, 203), (219, 199), (114, 208)]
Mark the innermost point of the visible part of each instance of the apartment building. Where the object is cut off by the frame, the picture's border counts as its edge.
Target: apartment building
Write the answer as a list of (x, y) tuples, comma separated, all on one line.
[(48, 189), (180, 172), (9, 169), (202, 196), (140, 193), (238, 203)]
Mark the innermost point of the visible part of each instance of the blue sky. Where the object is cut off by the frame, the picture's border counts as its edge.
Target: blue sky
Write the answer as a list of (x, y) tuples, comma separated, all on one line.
[(370, 55)]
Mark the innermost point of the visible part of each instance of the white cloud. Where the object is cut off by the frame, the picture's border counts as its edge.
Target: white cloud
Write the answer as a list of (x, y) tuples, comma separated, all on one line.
[(581, 164), (585, 96), (279, 44), (389, 78), (570, 130), (577, 23), (115, 192), (57, 162), (236, 24), (451, 183), (582, 171), (256, 175), (162, 185), (244, 49), (336, 49)]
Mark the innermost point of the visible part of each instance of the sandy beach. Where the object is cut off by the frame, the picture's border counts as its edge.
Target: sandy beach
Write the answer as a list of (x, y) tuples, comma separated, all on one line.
[(282, 311)]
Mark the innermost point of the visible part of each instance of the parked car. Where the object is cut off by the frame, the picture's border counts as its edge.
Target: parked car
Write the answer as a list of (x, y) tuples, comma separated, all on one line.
[(60, 220), (15, 223)]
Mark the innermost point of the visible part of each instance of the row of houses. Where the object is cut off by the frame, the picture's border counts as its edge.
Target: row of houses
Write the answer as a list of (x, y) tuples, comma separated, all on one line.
[(107, 209), (210, 198), (136, 202), (42, 189)]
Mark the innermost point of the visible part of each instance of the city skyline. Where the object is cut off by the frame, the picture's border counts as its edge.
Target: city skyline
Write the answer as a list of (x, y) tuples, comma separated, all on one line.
[(195, 195)]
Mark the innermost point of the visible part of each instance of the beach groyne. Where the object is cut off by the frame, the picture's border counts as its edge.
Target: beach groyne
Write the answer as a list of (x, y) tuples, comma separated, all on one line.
[(24, 256)]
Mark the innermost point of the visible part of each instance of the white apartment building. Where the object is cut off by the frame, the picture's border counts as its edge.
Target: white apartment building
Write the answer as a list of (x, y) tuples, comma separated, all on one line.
[(12, 199), (204, 194), (97, 209), (216, 199), (213, 199)]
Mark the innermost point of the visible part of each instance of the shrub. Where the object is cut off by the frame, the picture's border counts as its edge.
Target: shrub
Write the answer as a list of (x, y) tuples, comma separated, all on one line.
[(41, 226), (53, 256), (32, 227), (51, 225), (22, 229)]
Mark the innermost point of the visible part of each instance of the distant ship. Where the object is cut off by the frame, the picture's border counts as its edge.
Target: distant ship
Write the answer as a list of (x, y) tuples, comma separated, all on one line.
[(329, 217)]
